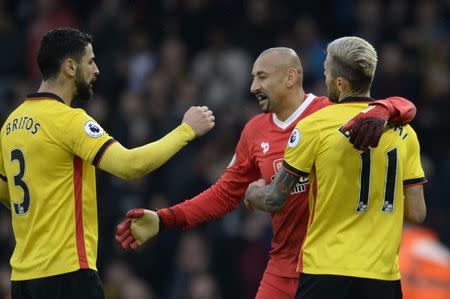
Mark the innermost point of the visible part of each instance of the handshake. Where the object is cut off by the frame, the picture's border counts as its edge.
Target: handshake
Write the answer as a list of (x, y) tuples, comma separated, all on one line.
[(139, 226)]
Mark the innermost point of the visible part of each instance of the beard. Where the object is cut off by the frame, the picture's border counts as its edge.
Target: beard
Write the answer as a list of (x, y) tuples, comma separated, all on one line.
[(264, 103), (265, 108), (84, 89)]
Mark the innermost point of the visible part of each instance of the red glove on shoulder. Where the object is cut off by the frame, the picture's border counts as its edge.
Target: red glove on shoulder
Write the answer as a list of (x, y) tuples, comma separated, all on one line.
[(367, 127)]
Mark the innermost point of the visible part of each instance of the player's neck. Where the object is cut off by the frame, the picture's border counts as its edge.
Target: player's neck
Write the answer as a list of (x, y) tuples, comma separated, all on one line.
[(352, 93), (62, 89), (292, 102)]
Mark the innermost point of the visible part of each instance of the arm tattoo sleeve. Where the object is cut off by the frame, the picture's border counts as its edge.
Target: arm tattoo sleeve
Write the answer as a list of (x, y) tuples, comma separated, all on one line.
[(271, 198)]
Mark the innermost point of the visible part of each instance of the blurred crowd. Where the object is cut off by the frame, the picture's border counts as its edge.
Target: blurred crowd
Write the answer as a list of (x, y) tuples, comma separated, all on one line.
[(157, 58)]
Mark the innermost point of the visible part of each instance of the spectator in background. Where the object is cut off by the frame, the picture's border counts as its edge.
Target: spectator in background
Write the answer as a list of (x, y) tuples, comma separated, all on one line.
[(204, 286), (47, 15), (193, 259), (424, 265), (222, 70), (142, 60)]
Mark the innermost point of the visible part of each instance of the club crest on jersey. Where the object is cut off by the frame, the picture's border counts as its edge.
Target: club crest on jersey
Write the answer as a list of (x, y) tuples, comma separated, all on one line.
[(93, 129), (295, 138), (265, 147)]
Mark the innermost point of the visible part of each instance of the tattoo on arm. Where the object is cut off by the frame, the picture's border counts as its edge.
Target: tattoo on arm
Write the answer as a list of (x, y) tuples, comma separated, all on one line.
[(271, 198)]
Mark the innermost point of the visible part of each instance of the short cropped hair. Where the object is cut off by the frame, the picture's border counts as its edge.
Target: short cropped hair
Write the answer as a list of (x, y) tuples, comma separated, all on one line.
[(58, 45), (354, 59)]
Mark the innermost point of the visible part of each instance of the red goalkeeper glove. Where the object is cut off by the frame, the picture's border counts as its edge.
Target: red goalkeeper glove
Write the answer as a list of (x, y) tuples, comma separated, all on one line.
[(367, 127), (140, 226)]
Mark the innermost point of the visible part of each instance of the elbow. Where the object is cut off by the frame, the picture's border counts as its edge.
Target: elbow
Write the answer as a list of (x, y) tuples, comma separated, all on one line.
[(134, 173)]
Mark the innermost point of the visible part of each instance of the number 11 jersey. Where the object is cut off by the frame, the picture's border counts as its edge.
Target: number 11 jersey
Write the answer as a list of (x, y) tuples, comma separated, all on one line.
[(356, 198)]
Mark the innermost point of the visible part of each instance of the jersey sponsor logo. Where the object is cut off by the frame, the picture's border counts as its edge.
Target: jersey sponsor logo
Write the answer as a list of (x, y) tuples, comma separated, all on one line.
[(265, 147), (295, 138), (93, 129), (302, 181)]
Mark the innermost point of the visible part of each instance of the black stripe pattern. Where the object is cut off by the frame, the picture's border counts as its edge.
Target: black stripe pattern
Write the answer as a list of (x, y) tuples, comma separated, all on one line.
[(101, 151), (415, 181), (294, 170), (3, 178), (45, 95)]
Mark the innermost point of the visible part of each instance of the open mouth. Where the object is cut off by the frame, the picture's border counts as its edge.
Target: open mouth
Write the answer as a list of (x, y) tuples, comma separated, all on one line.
[(261, 97), (92, 82)]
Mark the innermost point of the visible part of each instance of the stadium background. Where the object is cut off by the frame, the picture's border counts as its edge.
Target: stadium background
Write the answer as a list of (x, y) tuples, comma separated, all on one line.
[(157, 58)]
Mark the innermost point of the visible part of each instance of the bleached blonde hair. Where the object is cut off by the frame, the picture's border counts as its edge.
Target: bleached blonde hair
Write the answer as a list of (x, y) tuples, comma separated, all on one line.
[(354, 59)]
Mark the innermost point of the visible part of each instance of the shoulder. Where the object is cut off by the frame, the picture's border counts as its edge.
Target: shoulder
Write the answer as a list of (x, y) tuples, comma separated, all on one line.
[(314, 103), (78, 120), (258, 121), (77, 115), (407, 133), (320, 102)]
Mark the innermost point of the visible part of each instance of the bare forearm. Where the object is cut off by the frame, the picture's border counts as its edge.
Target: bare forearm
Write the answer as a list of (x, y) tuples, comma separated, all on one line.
[(271, 198), (415, 209)]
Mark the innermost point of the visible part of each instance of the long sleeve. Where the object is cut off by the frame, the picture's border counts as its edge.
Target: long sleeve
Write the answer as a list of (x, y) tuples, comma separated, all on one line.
[(401, 111), (221, 198)]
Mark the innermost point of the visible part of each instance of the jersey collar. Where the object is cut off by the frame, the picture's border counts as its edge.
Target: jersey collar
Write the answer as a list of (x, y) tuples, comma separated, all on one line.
[(356, 99), (44, 96), (285, 124)]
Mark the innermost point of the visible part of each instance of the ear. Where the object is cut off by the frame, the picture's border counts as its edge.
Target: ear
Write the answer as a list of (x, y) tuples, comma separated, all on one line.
[(342, 84), (292, 77), (70, 67)]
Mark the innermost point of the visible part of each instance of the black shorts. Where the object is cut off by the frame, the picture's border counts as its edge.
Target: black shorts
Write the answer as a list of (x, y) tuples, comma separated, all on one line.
[(313, 286), (84, 284)]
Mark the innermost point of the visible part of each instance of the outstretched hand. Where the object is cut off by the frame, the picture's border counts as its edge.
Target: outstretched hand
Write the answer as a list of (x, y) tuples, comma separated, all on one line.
[(139, 226)]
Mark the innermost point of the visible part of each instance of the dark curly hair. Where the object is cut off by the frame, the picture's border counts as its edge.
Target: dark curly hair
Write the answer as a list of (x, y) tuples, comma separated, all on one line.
[(59, 44)]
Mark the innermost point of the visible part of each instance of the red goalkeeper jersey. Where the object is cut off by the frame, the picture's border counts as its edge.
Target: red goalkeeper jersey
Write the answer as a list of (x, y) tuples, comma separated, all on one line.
[(259, 154)]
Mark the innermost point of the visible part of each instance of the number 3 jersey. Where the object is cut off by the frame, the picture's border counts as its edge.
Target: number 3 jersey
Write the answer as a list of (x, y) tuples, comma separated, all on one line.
[(356, 198), (48, 154)]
